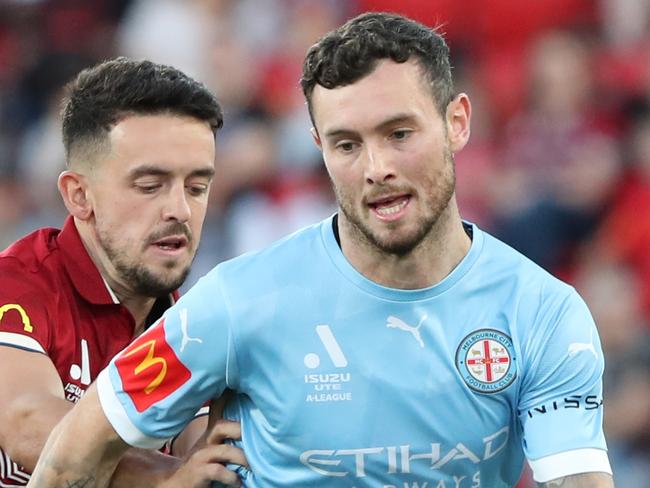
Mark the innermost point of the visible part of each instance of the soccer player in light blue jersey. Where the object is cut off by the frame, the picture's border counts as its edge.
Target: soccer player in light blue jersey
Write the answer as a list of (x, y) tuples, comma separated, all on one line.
[(392, 345)]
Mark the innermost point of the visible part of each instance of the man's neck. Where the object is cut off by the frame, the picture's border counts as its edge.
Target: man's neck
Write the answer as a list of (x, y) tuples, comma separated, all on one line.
[(426, 265), (140, 308)]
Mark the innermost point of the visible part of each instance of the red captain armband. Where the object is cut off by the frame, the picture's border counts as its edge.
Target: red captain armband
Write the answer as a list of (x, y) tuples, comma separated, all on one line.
[(150, 369)]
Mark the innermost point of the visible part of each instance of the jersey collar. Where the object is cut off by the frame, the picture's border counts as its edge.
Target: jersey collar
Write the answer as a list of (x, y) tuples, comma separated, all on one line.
[(395, 294)]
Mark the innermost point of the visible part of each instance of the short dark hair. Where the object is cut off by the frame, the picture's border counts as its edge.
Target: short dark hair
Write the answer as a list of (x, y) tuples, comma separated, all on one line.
[(103, 95), (352, 51)]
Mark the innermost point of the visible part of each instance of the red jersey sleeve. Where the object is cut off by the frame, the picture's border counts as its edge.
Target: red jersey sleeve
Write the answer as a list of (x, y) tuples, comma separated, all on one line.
[(24, 317)]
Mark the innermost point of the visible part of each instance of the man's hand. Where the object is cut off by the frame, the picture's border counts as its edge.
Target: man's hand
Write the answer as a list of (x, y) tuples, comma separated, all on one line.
[(207, 461)]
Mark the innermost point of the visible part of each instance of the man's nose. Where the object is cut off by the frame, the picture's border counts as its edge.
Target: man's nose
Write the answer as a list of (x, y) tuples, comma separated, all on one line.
[(378, 166), (177, 206)]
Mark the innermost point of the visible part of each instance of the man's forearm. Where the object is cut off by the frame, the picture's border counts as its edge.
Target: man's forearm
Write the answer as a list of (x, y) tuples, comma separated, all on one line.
[(29, 425), (138, 468), (82, 450), (56, 472), (584, 480), (143, 468)]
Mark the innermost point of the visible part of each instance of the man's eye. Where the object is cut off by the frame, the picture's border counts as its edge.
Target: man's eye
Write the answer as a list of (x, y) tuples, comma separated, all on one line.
[(197, 190), (148, 188), (345, 146), (400, 134)]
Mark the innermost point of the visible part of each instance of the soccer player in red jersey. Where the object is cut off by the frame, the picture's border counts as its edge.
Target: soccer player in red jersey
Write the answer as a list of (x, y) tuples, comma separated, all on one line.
[(140, 151)]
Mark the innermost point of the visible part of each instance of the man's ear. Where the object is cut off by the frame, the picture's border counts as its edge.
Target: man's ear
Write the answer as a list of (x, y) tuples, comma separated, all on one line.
[(74, 190), (316, 137), (458, 115)]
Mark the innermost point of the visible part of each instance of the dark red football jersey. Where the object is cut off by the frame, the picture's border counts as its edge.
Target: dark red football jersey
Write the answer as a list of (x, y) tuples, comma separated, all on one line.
[(54, 301)]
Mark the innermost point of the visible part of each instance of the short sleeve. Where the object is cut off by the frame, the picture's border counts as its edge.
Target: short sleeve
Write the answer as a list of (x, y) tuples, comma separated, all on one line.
[(24, 317), (560, 405), (154, 387)]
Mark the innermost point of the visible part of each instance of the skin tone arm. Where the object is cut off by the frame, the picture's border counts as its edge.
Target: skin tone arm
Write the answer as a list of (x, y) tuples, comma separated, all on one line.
[(89, 465), (97, 449), (585, 480), (36, 405)]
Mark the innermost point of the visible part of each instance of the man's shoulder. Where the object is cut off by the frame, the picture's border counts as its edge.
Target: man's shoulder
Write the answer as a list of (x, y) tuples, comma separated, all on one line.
[(537, 295), (502, 258), (30, 286), (32, 260), (506, 273)]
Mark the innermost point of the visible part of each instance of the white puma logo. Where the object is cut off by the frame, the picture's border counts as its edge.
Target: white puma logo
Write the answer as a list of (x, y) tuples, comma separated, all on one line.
[(576, 347), (186, 337), (395, 323)]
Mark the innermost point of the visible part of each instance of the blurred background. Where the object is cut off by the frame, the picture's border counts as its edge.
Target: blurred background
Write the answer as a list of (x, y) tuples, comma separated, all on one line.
[(558, 164)]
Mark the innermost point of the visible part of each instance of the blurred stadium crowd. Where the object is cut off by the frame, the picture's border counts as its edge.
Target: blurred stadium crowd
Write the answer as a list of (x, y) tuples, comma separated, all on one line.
[(558, 164)]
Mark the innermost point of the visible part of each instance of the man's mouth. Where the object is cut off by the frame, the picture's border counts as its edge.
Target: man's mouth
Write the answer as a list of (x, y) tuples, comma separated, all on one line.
[(171, 243), (389, 206)]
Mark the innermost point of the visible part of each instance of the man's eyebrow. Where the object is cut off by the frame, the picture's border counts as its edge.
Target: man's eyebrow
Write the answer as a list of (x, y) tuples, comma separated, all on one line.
[(396, 119), (335, 133), (150, 170), (203, 172)]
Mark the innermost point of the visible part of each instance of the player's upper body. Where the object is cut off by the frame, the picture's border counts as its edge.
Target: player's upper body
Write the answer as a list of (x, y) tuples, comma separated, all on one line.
[(344, 382), (415, 353), (140, 155)]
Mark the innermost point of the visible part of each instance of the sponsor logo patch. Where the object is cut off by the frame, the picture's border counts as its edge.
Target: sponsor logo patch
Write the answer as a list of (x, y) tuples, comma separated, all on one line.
[(150, 369), (486, 361), (327, 387)]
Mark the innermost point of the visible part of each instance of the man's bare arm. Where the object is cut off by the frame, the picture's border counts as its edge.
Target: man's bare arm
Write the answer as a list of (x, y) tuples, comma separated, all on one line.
[(584, 480), (31, 404), (34, 403), (84, 450)]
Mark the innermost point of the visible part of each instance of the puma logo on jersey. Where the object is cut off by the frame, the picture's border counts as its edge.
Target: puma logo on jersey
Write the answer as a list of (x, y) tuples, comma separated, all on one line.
[(393, 322), (576, 347), (186, 338)]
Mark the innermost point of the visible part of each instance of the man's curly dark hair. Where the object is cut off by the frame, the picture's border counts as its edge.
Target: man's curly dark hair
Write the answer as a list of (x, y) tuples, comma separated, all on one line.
[(352, 51)]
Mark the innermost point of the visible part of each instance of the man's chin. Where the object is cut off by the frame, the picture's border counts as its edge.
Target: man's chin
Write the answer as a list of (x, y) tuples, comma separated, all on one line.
[(398, 242), (161, 282)]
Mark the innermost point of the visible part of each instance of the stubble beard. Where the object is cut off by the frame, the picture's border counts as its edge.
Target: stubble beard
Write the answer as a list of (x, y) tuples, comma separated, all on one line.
[(140, 279), (439, 191)]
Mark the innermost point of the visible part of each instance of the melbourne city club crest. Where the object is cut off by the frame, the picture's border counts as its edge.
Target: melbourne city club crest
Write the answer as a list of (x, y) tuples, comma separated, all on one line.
[(486, 360)]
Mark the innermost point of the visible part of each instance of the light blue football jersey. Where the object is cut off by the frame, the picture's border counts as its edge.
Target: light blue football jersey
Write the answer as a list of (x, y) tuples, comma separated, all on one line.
[(341, 382)]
